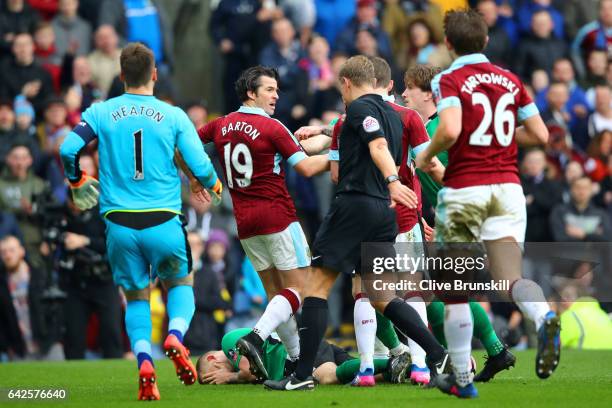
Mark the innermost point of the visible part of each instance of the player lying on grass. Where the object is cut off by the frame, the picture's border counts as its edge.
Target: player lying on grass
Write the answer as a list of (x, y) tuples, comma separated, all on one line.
[(333, 365)]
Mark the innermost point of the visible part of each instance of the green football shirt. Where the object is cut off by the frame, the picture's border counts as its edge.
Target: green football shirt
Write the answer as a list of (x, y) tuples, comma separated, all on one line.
[(428, 186)]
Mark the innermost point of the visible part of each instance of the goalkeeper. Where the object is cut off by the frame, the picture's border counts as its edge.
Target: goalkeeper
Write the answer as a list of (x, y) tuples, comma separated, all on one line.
[(140, 201), (332, 364)]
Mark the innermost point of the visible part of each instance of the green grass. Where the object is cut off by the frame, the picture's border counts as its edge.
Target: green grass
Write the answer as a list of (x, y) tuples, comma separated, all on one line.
[(583, 379)]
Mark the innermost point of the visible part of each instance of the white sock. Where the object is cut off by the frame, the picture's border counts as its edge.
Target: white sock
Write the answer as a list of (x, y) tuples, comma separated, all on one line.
[(399, 349), (277, 312), (458, 328), (364, 318), (416, 352), (288, 333), (530, 299)]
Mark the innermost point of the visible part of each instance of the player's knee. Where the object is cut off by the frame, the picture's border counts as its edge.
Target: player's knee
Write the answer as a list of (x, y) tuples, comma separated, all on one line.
[(138, 294), (173, 282)]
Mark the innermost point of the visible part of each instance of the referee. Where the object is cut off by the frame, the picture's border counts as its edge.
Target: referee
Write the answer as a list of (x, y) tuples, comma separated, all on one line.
[(370, 152)]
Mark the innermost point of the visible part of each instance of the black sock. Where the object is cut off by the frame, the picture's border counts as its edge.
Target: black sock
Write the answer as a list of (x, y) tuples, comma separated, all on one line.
[(408, 321), (314, 323)]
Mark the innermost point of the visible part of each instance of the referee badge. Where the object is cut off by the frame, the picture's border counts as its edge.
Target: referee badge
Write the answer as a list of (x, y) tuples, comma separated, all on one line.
[(370, 124)]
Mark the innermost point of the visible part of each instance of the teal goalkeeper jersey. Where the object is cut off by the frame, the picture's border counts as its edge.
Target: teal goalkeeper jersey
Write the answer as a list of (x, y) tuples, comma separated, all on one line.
[(137, 136)]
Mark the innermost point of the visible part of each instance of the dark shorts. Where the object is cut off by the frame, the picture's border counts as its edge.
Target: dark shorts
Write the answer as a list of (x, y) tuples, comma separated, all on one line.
[(352, 220), (330, 353)]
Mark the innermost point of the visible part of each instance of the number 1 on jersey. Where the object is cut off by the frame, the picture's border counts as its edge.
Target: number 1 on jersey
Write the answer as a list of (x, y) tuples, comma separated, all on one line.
[(138, 168), (243, 166)]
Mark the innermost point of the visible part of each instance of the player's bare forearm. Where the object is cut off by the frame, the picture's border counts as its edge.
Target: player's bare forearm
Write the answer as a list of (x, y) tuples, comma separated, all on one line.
[(334, 171), (437, 170), (533, 132), (313, 165), (379, 151), (316, 144), (178, 158)]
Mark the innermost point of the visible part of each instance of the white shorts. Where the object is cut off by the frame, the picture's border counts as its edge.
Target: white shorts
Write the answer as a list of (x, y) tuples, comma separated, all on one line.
[(410, 243), (481, 213), (283, 250)]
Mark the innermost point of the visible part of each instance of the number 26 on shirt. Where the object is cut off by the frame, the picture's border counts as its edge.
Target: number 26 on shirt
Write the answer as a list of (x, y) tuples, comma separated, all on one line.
[(503, 120)]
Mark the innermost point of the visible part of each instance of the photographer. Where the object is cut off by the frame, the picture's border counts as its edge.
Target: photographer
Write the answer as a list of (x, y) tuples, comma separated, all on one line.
[(86, 277)]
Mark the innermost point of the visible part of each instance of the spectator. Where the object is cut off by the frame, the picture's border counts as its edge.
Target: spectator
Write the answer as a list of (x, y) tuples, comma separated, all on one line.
[(422, 48), (283, 54), (332, 17), (46, 53), (24, 119), (9, 226), (578, 13), (236, 31), (9, 134), (16, 17), (597, 67), (23, 75), (46, 8), (540, 49), (88, 281), (198, 114), (54, 128), (529, 8), (604, 198), (364, 19), (72, 33), (557, 96), (580, 220), (104, 60), (541, 194), (302, 14), (601, 119), (329, 101), (560, 151), (24, 334), (204, 334), (18, 189), (317, 65), (595, 35), (572, 171), (539, 81), (499, 47), (600, 148), (81, 91)]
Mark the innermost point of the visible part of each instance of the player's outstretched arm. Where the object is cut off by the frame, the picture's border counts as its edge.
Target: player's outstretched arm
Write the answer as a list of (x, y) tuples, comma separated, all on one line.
[(379, 151), (533, 132), (306, 132), (316, 144), (313, 165)]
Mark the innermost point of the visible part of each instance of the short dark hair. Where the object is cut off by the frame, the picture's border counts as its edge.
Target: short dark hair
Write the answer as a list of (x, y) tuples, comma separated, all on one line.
[(137, 63), (359, 70), (466, 31), (382, 72), (420, 76), (250, 80)]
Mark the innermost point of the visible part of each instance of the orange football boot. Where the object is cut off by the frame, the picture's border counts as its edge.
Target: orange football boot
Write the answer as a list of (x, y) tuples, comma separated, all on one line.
[(178, 353), (147, 383)]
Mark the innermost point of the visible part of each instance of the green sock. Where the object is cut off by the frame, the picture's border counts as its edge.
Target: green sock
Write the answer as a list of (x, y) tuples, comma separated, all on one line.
[(385, 332), (483, 330), (346, 371), (435, 316)]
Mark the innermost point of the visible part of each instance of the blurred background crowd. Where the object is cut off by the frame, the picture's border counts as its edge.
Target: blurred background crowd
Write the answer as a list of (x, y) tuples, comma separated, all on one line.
[(57, 57)]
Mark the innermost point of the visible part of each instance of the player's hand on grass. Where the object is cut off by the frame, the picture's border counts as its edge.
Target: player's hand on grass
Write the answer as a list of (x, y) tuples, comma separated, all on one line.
[(199, 192), (428, 231), (403, 195), (85, 192), (306, 132)]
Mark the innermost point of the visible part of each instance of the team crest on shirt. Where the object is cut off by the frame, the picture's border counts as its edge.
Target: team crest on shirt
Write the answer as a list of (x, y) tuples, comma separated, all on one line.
[(370, 124)]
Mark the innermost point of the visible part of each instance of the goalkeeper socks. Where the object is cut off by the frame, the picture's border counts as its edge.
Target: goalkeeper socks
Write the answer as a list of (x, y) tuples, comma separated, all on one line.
[(364, 319), (435, 314), (314, 323), (530, 299), (483, 330), (278, 311), (458, 332), (416, 352), (181, 307), (138, 326), (387, 335), (346, 371), (288, 333), (408, 321)]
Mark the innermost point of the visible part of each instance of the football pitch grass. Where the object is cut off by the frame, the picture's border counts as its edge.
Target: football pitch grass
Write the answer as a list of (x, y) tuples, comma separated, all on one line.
[(583, 379)]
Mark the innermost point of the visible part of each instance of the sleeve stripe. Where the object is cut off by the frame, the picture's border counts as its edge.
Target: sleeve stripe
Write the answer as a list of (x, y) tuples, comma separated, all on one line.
[(296, 158), (451, 101), (527, 111), (418, 149), (334, 155)]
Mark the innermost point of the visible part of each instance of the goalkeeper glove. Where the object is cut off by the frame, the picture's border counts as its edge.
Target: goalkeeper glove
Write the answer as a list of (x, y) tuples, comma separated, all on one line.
[(85, 192), (216, 191)]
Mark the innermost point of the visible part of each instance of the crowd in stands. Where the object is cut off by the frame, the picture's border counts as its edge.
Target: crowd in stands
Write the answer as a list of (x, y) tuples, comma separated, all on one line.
[(57, 57)]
